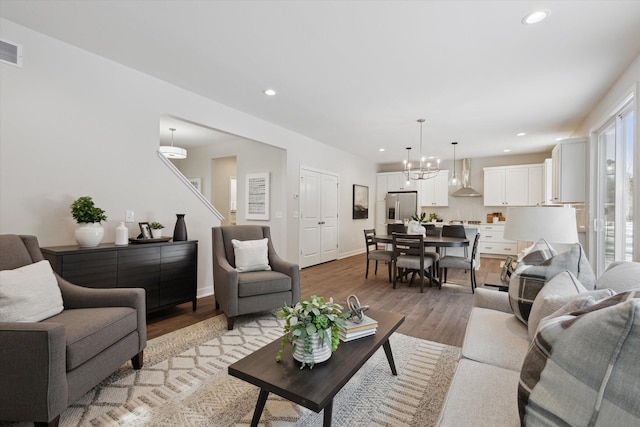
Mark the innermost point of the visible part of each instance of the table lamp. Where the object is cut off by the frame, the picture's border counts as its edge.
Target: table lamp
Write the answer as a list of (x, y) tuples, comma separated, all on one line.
[(530, 224)]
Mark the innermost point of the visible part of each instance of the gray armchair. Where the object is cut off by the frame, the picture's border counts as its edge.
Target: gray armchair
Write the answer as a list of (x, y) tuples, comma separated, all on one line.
[(239, 293), (45, 366)]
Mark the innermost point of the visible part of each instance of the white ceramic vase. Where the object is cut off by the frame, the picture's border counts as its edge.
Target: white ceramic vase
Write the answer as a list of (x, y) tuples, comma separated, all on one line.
[(89, 234), (321, 352)]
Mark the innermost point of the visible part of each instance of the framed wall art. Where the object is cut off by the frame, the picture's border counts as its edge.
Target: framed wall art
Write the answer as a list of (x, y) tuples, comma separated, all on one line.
[(257, 196), (360, 201)]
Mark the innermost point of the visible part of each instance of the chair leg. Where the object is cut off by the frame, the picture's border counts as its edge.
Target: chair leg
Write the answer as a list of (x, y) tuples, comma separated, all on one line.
[(231, 320), (389, 265), (137, 361), (376, 270), (217, 305), (366, 273), (473, 281)]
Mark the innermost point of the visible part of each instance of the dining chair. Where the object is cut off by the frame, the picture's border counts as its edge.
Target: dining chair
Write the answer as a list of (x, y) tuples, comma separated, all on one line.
[(463, 263), (430, 229), (396, 228), (374, 253), (409, 255), (455, 230)]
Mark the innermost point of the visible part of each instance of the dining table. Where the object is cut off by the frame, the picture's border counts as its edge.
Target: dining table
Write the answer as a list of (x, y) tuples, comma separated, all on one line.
[(436, 241)]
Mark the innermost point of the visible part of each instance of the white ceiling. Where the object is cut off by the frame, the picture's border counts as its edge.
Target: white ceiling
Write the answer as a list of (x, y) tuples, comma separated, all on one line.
[(358, 74)]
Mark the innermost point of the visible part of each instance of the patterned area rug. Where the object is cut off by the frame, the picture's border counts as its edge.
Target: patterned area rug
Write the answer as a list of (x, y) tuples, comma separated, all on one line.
[(185, 383)]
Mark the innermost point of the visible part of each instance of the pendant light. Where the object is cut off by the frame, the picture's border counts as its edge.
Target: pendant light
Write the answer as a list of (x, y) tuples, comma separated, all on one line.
[(454, 179), (427, 170), (171, 152)]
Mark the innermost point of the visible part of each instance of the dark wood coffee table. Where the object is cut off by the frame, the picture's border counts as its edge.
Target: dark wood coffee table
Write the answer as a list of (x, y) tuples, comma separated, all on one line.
[(314, 388)]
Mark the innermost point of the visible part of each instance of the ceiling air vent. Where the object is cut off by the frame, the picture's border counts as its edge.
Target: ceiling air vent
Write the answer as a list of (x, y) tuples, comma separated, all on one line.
[(10, 53)]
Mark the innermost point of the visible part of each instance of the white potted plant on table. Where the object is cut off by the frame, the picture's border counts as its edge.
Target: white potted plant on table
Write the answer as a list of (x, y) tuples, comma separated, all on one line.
[(89, 232), (313, 328)]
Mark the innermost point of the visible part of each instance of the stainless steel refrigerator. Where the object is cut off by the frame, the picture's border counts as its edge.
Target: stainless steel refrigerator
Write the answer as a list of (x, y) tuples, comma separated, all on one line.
[(401, 206)]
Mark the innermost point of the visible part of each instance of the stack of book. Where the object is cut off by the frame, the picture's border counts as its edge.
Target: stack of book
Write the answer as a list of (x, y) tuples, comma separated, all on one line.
[(354, 330)]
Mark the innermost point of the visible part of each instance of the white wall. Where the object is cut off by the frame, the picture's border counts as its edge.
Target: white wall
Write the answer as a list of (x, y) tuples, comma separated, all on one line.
[(73, 123)]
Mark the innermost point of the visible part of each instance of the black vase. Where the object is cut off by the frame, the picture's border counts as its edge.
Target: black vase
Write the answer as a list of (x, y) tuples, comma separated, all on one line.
[(180, 230)]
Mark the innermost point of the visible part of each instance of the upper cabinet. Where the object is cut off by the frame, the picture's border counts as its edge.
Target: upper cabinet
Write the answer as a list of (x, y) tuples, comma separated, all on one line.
[(569, 162), (396, 181), (513, 185), (435, 192)]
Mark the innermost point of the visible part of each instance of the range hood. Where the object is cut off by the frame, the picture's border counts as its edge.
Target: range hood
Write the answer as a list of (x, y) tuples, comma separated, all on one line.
[(466, 190)]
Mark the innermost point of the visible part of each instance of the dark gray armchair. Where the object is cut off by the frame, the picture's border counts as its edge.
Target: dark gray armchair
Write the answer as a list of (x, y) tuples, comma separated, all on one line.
[(47, 365), (239, 293)]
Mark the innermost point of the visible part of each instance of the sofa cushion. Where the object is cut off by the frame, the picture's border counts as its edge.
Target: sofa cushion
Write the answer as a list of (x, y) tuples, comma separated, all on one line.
[(89, 331), (620, 276), (481, 395), (262, 282), (527, 281), (496, 338), (29, 293), (561, 289), (582, 368), (251, 255)]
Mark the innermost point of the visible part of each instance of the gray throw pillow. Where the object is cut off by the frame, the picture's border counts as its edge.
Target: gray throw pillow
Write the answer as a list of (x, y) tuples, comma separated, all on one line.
[(561, 289), (582, 368), (527, 281)]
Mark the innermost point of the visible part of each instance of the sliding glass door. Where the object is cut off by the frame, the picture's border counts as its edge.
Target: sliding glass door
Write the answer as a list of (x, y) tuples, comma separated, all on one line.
[(614, 217)]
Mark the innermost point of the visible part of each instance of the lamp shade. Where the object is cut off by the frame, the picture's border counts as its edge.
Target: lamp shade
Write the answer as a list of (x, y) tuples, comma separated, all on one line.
[(554, 224), (171, 152)]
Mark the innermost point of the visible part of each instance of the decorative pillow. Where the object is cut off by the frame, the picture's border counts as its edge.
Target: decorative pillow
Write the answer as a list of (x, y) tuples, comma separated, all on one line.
[(526, 281), (539, 252), (251, 255), (620, 276), (29, 293), (582, 368)]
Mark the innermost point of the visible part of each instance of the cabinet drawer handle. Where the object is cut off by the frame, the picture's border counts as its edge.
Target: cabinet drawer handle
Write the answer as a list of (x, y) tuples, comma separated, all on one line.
[(489, 237), (488, 247)]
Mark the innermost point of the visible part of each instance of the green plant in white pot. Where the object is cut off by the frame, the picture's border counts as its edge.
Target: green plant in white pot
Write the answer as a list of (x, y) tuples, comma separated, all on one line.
[(89, 232), (313, 328), (156, 230)]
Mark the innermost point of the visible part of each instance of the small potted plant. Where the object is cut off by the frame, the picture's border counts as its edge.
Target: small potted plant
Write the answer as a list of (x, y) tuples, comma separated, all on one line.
[(313, 328), (433, 217), (89, 232), (156, 230), (420, 218)]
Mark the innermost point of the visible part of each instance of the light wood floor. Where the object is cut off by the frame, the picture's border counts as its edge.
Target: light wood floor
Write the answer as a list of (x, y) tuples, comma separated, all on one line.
[(437, 314)]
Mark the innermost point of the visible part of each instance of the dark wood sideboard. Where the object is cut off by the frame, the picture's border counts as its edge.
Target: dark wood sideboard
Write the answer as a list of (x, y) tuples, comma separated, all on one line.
[(168, 271)]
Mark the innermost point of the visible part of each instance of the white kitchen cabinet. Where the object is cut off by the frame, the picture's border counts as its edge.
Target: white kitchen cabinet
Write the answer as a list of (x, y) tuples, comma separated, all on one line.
[(569, 163), (492, 241), (547, 182), (512, 185), (435, 192), (397, 181), (535, 193)]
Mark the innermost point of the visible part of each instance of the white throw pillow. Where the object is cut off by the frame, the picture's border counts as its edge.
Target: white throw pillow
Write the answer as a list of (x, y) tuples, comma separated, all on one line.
[(29, 293), (251, 255)]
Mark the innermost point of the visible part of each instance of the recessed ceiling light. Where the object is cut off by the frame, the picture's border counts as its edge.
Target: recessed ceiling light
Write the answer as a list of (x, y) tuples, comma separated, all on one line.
[(535, 17), (506, 150), (270, 92), (559, 139), (380, 149), (521, 134)]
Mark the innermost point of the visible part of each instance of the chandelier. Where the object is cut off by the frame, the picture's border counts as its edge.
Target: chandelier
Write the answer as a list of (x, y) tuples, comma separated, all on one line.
[(427, 169)]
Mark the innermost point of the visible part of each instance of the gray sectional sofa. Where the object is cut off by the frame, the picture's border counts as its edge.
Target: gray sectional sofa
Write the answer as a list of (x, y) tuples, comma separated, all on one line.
[(497, 346)]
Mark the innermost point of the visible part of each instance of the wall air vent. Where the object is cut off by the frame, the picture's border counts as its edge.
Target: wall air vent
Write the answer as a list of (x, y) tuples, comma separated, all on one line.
[(10, 53)]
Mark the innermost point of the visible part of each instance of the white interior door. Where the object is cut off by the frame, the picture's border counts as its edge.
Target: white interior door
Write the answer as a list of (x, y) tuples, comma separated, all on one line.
[(318, 217), (329, 218)]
